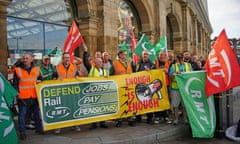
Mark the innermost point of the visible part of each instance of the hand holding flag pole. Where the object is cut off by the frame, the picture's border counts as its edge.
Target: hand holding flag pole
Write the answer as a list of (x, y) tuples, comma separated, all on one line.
[(73, 40)]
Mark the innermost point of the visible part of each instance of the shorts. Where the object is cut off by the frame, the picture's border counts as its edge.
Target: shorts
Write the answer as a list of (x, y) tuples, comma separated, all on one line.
[(176, 98)]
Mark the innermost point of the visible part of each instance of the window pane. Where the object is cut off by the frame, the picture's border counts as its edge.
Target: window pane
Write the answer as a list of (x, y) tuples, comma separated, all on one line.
[(24, 36), (55, 36), (38, 26), (52, 11), (127, 23)]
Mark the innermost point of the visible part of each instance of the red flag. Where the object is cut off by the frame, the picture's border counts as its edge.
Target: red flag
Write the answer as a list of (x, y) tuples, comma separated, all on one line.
[(134, 44), (73, 40), (221, 66)]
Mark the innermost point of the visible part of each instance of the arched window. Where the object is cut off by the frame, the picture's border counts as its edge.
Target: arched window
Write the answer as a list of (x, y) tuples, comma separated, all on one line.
[(128, 22), (37, 26)]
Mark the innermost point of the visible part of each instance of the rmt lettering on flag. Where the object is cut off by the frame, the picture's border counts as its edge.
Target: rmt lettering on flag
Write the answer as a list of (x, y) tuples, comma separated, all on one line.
[(222, 67)]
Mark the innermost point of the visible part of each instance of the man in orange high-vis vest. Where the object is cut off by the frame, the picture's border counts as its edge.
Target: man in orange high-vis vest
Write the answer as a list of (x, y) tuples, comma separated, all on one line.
[(121, 66), (66, 70), (26, 75)]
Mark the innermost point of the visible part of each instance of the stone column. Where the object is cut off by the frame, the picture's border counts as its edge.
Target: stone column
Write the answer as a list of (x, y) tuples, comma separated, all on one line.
[(184, 26), (89, 29), (194, 37), (108, 35), (99, 24), (3, 36)]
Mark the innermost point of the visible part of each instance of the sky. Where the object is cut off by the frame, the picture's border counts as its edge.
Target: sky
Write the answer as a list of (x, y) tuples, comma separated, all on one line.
[(225, 14)]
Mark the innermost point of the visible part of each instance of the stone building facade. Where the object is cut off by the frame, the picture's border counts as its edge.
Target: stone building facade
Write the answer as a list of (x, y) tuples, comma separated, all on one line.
[(184, 22)]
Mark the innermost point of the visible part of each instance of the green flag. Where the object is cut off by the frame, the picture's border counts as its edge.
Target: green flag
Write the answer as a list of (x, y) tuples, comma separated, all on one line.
[(9, 92), (7, 129), (144, 44), (161, 45), (199, 107), (125, 48)]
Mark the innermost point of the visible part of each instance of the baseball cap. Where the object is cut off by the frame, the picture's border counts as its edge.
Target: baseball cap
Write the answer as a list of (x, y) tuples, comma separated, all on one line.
[(46, 57), (180, 55)]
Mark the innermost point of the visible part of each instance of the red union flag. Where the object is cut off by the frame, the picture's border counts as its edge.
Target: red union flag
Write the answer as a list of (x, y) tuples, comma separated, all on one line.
[(134, 44), (221, 66), (73, 40)]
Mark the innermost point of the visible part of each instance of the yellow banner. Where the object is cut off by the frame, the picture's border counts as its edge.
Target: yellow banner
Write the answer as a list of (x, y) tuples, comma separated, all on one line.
[(85, 100)]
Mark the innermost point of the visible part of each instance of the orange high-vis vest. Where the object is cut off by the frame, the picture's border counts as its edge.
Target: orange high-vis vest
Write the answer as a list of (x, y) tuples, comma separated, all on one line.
[(66, 73), (166, 66), (120, 68), (27, 82)]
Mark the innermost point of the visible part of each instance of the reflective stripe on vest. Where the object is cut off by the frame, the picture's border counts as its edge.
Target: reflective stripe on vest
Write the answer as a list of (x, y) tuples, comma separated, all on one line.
[(174, 82), (47, 73), (27, 82), (120, 68), (66, 73)]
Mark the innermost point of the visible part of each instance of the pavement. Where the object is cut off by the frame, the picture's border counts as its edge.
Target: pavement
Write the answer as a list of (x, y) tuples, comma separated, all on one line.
[(142, 133)]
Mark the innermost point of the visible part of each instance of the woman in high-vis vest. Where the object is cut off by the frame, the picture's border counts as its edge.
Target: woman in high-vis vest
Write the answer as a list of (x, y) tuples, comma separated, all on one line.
[(26, 75), (179, 67)]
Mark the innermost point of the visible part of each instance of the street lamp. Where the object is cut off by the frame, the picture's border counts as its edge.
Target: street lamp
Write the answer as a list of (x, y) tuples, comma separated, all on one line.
[(18, 38)]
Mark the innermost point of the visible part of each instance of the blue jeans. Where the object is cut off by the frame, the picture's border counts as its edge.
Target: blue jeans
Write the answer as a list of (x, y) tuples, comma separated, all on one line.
[(32, 105)]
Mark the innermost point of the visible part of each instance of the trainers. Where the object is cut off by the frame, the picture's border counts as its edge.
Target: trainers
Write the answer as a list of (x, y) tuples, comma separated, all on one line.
[(29, 126), (157, 120), (166, 119), (175, 122), (57, 131), (77, 128)]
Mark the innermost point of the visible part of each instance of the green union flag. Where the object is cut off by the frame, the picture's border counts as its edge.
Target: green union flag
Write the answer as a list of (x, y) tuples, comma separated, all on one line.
[(199, 107), (144, 44), (9, 92), (125, 48), (7, 129), (161, 45)]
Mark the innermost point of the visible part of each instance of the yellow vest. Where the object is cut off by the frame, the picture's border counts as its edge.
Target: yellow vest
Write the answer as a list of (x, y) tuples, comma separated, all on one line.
[(187, 69), (95, 73)]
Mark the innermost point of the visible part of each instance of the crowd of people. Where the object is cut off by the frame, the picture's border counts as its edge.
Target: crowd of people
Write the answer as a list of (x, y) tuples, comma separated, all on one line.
[(27, 74)]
